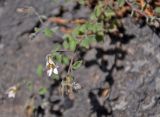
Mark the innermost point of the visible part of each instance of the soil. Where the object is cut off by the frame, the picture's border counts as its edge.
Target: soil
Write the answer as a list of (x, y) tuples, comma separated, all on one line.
[(128, 67)]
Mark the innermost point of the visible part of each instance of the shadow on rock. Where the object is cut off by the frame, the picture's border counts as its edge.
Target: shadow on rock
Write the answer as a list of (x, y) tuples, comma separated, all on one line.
[(97, 108), (118, 54)]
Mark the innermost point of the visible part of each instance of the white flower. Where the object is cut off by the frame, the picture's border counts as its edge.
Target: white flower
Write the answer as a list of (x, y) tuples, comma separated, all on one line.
[(76, 86), (11, 92), (51, 66), (49, 72), (55, 70)]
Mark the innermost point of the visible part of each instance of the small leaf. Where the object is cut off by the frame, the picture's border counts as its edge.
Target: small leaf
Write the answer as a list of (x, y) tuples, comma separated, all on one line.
[(48, 32), (57, 47), (72, 44), (98, 9), (97, 12), (58, 57), (157, 10), (87, 41), (121, 3), (77, 64), (55, 77), (109, 13), (65, 45), (43, 91), (65, 60), (97, 27), (39, 71), (81, 29)]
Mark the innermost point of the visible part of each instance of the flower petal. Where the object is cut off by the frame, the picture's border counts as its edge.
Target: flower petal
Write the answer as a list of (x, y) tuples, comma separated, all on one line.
[(55, 70), (47, 64), (11, 94), (49, 72)]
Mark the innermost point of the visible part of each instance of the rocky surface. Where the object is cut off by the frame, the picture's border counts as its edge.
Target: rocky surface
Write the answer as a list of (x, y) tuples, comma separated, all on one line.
[(129, 67)]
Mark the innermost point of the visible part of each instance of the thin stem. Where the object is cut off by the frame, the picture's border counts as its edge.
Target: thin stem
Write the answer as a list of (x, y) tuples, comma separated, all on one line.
[(72, 59), (136, 10), (70, 65), (141, 12), (37, 14)]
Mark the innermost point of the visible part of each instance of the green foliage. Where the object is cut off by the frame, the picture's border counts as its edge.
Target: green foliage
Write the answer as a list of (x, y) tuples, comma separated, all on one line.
[(60, 58), (65, 60), (157, 10), (57, 57), (55, 77), (65, 44), (56, 47), (39, 71), (70, 43), (48, 32), (102, 20), (42, 91), (87, 41), (121, 2), (109, 13), (77, 64)]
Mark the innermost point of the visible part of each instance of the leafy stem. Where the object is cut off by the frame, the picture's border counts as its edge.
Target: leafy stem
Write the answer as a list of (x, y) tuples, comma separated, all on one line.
[(70, 64)]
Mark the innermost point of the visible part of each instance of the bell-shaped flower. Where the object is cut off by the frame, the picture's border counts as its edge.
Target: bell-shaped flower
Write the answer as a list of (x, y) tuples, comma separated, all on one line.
[(51, 66)]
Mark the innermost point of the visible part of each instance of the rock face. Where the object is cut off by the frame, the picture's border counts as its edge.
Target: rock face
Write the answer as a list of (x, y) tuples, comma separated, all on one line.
[(131, 71)]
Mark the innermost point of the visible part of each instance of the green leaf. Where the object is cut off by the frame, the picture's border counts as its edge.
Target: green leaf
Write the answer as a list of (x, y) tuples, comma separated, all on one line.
[(98, 9), (39, 71), (55, 77), (73, 44), (109, 13), (42, 91), (81, 29), (97, 12), (65, 44), (65, 60), (58, 57), (77, 64), (121, 3), (57, 47), (87, 41), (97, 27), (48, 32), (157, 10)]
